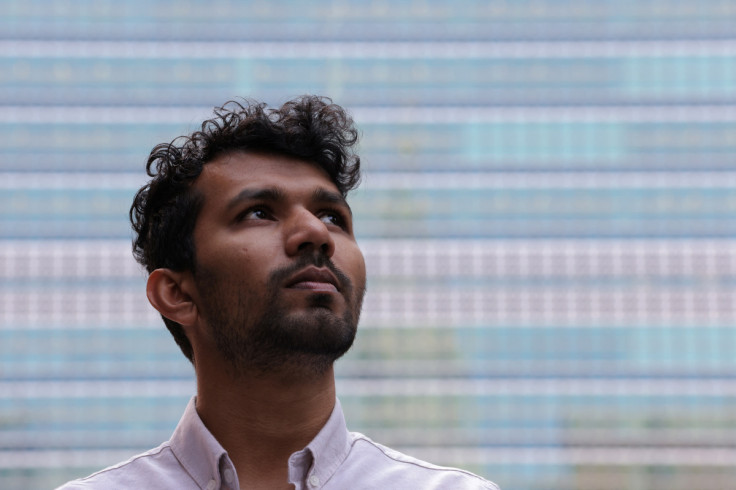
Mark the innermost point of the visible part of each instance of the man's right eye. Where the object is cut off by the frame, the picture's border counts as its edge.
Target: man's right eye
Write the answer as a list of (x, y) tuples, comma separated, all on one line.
[(254, 214)]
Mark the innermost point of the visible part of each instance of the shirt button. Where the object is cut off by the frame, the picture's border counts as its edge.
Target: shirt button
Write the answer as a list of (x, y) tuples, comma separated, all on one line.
[(211, 485), (229, 475), (314, 481)]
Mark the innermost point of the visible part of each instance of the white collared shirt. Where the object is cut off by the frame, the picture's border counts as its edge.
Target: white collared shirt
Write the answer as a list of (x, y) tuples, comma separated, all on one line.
[(336, 459)]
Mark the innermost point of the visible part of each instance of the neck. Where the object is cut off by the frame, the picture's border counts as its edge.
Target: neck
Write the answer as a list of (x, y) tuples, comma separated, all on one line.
[(261, 420)]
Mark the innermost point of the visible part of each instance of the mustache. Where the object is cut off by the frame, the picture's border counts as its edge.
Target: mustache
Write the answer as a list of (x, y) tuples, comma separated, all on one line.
[(320, 260)]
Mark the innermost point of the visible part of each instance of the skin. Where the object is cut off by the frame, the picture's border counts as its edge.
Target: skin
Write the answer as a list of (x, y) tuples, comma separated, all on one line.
[(262, 416)]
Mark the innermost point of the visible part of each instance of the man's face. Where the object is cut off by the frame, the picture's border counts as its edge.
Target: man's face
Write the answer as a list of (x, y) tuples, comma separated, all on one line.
[(280, 278)]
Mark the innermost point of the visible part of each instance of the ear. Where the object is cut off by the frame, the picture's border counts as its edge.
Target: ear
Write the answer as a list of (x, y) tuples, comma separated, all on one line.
[(168, 292)]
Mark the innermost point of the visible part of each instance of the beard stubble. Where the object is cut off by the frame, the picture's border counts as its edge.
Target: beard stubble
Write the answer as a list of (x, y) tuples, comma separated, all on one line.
[(260, 335)]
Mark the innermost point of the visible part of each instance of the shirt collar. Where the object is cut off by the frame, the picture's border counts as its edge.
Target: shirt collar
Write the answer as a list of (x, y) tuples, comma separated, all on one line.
[(205, 459), (326, 452), (198, 451)]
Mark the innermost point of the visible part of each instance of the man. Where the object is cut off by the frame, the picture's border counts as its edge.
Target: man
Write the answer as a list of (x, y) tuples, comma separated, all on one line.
[(248, 239)]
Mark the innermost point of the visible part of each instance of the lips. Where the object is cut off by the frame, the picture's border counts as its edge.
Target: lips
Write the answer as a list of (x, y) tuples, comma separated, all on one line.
[(314, 279)]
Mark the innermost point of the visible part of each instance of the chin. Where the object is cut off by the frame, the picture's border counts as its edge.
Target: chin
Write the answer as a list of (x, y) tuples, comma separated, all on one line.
[(321, 300)]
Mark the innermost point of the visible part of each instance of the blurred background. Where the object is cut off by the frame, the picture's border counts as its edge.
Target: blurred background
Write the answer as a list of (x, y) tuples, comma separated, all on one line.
[(547, 214)]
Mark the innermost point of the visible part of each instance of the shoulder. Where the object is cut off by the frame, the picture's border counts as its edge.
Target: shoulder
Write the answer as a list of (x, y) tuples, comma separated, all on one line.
[(383, 467), (156, 468)]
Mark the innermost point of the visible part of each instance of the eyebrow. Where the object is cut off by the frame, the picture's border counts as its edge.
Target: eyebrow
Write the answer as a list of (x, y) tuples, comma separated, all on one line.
[(272, 194), (326, 196), (275, 194)]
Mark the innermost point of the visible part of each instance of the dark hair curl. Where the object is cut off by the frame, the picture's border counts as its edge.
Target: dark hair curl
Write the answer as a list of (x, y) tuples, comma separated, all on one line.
[(165, 210)]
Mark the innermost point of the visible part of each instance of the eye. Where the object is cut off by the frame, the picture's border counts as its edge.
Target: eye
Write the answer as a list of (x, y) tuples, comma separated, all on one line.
[(334, 218), (255, 213)]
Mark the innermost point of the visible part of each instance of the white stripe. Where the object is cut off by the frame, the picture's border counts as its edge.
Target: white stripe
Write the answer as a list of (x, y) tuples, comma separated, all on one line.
[(552, 114), (548, 180), (584, 455), (472, 258), (363, 50), (72, 180), (552, 284), (62, 459), (95, 389), (104, 115), (536, 388), (356, 387), (413, 180), (456, 456), (510, 434), (192, 116), (178, 368), (710, 246)]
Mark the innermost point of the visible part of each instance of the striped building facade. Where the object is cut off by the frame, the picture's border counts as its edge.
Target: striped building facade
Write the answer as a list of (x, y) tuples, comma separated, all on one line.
[(548, 215)]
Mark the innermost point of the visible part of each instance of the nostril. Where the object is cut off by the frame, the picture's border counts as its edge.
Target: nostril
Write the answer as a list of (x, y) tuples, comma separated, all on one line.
[(324, 248)]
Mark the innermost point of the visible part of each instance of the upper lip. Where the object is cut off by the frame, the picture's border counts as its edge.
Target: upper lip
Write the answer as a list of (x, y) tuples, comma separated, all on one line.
[(314, 274)]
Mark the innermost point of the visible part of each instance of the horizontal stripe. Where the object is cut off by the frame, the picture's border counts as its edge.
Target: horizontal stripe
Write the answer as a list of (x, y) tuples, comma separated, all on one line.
[(18, 181), (461, 456), (394, 387), (514, 437), (309, 50), (124, 363), (397, 115), (543, 307), (608, 456), (414, 258)]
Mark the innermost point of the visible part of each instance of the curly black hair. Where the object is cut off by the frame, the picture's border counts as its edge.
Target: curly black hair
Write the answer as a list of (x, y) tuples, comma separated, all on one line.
[(165, 210)]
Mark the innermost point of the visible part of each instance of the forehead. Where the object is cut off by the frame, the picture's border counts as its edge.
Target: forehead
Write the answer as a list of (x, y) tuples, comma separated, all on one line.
[(231, 173)]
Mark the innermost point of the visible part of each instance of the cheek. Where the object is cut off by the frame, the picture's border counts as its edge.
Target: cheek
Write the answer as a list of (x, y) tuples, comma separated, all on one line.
[(357, 268), (237, 266)]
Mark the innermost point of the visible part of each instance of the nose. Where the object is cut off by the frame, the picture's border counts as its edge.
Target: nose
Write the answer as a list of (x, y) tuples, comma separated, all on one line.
[(307, 233)]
